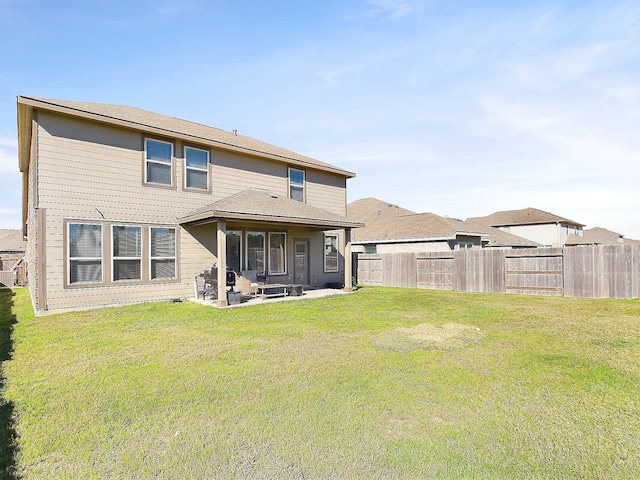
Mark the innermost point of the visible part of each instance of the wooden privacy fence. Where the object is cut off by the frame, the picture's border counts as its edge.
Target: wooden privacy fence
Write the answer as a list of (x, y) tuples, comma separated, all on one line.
[(600, 271)]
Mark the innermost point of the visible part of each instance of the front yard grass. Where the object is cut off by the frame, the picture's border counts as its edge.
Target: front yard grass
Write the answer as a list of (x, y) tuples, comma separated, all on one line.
[(547, 388)]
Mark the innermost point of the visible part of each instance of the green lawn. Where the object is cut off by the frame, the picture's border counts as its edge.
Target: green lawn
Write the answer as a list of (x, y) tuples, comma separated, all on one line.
[(324, 389)]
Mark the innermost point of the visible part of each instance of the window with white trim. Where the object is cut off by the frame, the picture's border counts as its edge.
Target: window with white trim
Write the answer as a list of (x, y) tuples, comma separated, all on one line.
[(296, 184), (85, 253), (196, 168), (330, 253), (277, 253), (127, 252), (163, 253), (158, 166)]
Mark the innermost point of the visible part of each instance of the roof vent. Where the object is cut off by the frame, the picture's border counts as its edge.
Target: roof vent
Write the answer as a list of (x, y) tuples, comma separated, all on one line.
[(235, 132)]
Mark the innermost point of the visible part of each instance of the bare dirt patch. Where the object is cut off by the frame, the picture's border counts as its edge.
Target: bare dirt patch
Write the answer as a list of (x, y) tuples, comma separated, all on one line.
[(447, 337)]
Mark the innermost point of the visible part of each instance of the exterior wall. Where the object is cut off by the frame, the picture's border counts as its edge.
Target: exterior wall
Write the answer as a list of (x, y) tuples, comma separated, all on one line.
[(442, 246), (91, 172), (547, 235), (416, 247)]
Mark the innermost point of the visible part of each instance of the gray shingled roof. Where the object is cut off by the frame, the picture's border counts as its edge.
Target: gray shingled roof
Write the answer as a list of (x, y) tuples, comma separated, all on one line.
[(385, 222), (12, 241), (599, 236), (262, 206), (145, 121), (526, 216), (366, 209)]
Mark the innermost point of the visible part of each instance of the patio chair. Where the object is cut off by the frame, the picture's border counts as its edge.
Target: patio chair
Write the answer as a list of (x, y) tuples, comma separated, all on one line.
[(251, 278)]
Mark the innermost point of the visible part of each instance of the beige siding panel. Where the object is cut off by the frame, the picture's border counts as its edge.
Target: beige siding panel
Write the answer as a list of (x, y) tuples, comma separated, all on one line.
[(326, 191), (234, 173)]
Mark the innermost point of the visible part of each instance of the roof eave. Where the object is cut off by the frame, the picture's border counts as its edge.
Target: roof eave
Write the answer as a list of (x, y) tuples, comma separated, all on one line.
[(34, 103), (215, 215)]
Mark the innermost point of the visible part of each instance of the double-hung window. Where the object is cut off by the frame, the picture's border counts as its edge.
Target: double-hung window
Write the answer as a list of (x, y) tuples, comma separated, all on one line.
[(85, 253), (158, 162), (197, 168), (163, 253), (330, 253), (277, 253), (127, 252), (296, 184)]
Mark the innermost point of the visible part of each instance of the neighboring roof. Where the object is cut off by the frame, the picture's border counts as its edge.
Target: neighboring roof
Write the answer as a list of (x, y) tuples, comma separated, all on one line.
[(131, 117), (262, 206), (388, 223), (366, 209), (526, 216), (599, 236), (500, 238), (12, 241)]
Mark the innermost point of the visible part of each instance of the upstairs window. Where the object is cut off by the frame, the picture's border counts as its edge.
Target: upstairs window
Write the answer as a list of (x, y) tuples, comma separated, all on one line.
[(296, 184), (158, 162), (197, 168), (85, 253), (330, 253), (127, 252)]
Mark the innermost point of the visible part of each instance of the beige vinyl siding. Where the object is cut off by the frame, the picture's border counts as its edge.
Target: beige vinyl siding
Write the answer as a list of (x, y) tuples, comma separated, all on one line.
[(326, 191), (233, 173), (86, 170)]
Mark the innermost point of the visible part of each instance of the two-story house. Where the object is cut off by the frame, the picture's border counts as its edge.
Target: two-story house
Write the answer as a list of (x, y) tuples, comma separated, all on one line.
[(122, 205), (544, 228)]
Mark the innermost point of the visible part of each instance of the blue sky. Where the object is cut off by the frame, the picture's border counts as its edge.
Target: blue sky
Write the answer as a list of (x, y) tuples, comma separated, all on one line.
[(460, 108)]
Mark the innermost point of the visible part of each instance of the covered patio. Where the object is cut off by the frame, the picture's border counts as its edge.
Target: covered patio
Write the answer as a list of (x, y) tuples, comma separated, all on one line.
[(304, 243)]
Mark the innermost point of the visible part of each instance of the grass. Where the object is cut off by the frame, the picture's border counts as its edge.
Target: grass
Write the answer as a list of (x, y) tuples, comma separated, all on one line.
[(544, 388)]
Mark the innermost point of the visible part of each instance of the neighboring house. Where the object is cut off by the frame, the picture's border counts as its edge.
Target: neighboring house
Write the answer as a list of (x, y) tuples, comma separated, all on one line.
[(121, 205), (499, 239), (545, 228), (599, 236), (12, 251), (389, 228)]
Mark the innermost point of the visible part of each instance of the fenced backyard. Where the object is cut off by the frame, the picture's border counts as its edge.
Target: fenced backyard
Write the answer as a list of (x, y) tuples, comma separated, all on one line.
[(602, 271)]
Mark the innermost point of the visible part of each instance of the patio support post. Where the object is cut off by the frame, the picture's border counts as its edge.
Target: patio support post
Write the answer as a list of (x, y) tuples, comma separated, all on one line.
[(348, 286), (222, 262)]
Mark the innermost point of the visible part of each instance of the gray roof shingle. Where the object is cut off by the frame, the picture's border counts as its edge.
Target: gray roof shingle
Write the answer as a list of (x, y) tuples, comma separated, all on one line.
[(263, 206), (526, 216)]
